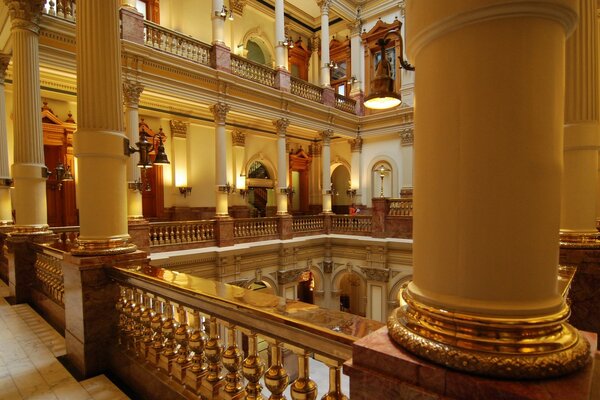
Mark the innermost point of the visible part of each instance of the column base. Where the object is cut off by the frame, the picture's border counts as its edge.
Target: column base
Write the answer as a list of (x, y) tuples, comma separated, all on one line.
[(588, 240), (532, 348), (30, 230), (102, 247)]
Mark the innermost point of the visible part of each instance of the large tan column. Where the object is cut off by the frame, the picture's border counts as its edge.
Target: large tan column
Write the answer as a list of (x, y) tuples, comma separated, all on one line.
[(132, 91), (238, 141), (356, 168), (484, 297), (5, 180), (581, 140), (282, 166), (99, 140), (220, 111), (29, 170), (326, 162), (325, 73)]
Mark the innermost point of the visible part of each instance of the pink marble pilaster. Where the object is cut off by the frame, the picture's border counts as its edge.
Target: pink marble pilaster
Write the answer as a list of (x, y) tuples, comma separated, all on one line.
[(285, 227), (328, 98), (380, 211), (359, 97), (221, 57), (283, 80), (382, 368), (139, 230), (224, 232), (132, 25), (90, 318)]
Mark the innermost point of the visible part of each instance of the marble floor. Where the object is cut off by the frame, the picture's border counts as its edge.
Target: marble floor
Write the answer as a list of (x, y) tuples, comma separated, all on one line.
[(29, 368)]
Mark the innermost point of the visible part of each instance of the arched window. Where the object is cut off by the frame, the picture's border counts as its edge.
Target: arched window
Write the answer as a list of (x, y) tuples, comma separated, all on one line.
[(258, 171), (257, 51)]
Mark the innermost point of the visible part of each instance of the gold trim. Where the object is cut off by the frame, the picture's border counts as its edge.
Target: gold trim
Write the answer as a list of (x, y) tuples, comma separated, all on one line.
[(532, 348), (587, 240), (24, 230), (102, 247)]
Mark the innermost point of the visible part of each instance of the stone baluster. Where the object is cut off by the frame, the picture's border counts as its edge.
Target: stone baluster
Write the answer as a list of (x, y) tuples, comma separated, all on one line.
[(303, 388), (136, 323), (182, 337), (253, 369), (197, 343), (276, 377), (232, 361), (213, 351), (129, 324)]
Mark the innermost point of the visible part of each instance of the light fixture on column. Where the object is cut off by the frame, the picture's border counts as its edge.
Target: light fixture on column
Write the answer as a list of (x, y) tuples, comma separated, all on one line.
[(288, 42), (288, 190), (383, 171), (185, 190), (62, 175), (382, 95), (145, 147), (351, 193), (138, 185), (224, 13), (226, 188), (332, 64)]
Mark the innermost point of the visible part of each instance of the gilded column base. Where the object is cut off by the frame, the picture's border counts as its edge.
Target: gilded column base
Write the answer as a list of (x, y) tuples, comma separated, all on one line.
[(533, 348), (30, 230), (102, 247), (588, 240)]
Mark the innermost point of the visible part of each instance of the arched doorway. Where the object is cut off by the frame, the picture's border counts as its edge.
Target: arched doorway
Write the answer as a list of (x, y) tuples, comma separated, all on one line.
[(299, 167), (340, 181), (260, 188), (306, 287), (352, 294)]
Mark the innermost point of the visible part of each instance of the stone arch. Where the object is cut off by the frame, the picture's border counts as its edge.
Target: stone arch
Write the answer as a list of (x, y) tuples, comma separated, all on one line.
[(393, 301), (394, 177), (357, 293), (260, 38)]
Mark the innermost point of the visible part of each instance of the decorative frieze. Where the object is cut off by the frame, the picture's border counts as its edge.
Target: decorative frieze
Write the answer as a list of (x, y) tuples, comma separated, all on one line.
[(290, 276), (356, 144), (238, 138), (178, 128), (406, 136), (220, 111), (25, 14), (376, 274), (281, 126), (237, 6), (132, 92)]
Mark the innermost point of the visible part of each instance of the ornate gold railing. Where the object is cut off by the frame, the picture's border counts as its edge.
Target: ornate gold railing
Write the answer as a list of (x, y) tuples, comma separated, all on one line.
[(345, 103), (176, 43), (66, 237), (174, 322), (255, 227), (401, 207), (49, 275), (177, 232), (309, 223), (306, 90), (351, 223), (252, 71), (60, 8)]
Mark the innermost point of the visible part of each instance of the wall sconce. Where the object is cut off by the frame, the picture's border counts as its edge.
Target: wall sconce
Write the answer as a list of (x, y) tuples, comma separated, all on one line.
[(383, 171), (224, 13), (7, 182), (243, 191), (288, 190), (351, 193), (352, 80), (139, 186), (382, 95), (144, 147), (227, 188), (185, 190), (62, 175), (332, 64), (288, 42)]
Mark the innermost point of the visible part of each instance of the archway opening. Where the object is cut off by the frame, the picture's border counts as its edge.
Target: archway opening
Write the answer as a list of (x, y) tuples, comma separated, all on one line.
[(352, 294), (306, 287)]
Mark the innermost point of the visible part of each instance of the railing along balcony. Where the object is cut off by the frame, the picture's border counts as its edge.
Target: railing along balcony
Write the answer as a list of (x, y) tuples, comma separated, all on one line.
[(176, 43), (352, 224), (181, 232), (255, 227), (308, 223), (47, 286), (306, 90), (345, 103), (402, 207), (61, 8), (174, 323), (250, 70), (65, 237)]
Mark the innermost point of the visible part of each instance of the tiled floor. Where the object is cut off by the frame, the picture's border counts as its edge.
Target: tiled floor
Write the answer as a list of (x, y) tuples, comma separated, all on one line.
[(28, 365)]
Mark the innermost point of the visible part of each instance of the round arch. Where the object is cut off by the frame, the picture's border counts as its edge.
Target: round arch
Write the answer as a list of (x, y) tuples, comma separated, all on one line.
[(393, 176), (264, 161), (260, 38)]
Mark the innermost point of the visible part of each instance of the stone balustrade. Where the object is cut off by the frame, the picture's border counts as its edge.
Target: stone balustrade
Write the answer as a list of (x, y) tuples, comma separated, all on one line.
[(61, 8), (181, 232), (250, 70), (401, 207), (345, 103), (255, 227), (351, 224), (176, 43), (306, 90), (219, 341), (308, 223)]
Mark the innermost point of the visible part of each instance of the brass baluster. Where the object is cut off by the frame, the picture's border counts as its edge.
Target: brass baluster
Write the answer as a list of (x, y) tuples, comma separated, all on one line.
[(136, 314), (232, 361), (121, 303), (169, 327), (335, 384), (276, 377), (303, 388), (129, 323), (253, 369), (182, 337), (145, 319), (157, 338), (197, 343), (213, 351)]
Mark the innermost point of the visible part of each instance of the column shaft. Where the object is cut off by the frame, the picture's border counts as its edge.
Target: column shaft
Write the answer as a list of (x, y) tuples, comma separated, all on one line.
[(218, 23), (220, 112), (280, 56), (132, 92), (325, 78), (355, 168), (99, 140), (356, 57), (282, 166), (326, 159)]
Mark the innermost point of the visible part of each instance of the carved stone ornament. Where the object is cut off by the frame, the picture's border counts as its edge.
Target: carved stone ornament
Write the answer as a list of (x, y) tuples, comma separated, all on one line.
[(238, 138), (327, 266), (314, 149), (355, 27), (4, 61), (376, 274), (324, 4), (406, 136), (178, 128), (132, 92), (290, 276), (220, 111), (356, 144), (402, 7), (281, 125), (25, 14), (237, 6), (315, 44), (326, 135)]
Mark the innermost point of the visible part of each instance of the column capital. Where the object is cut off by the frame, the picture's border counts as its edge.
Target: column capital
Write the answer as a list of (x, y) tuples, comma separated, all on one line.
[(324, 5), (356, 144), (220, 111), (326, 135), (407, 136), (355, 27), (25, 14), (178, 128), (131, 92), (238, 138), (315, 43), (281, 125), (4, 61), (314, 149)]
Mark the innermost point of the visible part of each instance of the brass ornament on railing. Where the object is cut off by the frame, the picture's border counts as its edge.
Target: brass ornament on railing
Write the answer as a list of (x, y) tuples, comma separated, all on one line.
[(303, 388), (253, 369), (169, 327), (157, 337), (276, 377), (129, 324), (335, 384), (182, 337), (147, 332), (121, 303), (213, 352), (199, 368), (232, 361), (136, 314)]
